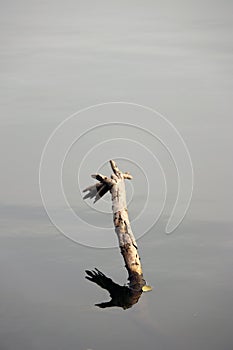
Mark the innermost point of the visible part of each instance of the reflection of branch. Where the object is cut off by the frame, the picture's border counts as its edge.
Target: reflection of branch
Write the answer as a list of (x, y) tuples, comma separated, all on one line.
[(122, 296)]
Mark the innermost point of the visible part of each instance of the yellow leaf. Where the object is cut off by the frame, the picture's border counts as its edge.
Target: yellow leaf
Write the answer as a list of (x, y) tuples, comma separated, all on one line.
[(146, 288)]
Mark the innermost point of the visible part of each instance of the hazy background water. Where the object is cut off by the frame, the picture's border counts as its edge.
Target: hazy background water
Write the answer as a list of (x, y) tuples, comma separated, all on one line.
[(58, 57)]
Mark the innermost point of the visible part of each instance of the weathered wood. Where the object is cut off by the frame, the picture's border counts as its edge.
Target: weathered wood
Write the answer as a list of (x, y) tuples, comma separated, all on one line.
[(127, 242)]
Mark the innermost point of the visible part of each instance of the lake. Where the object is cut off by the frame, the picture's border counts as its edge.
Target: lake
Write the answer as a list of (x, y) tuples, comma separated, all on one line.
[(58, 57)]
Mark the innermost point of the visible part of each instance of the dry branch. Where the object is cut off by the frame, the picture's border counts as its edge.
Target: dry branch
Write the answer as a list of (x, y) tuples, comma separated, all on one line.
[(127, 242)]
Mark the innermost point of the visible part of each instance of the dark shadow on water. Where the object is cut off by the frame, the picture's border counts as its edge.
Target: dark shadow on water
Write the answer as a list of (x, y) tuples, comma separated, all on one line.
[(122, 296)]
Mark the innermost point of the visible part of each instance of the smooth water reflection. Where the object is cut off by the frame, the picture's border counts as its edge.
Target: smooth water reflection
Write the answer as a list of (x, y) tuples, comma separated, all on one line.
[(122, 296)]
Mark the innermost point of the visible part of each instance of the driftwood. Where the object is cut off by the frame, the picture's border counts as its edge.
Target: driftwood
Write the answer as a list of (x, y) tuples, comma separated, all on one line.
[(128, 246)]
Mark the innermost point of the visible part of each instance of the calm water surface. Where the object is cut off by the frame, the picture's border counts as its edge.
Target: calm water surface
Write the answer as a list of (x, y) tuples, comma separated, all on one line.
[(46, 303), (58, 57)]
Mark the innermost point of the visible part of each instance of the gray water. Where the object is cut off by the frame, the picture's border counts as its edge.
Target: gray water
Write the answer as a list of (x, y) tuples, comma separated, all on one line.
[(46, 303), (58, 57)]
